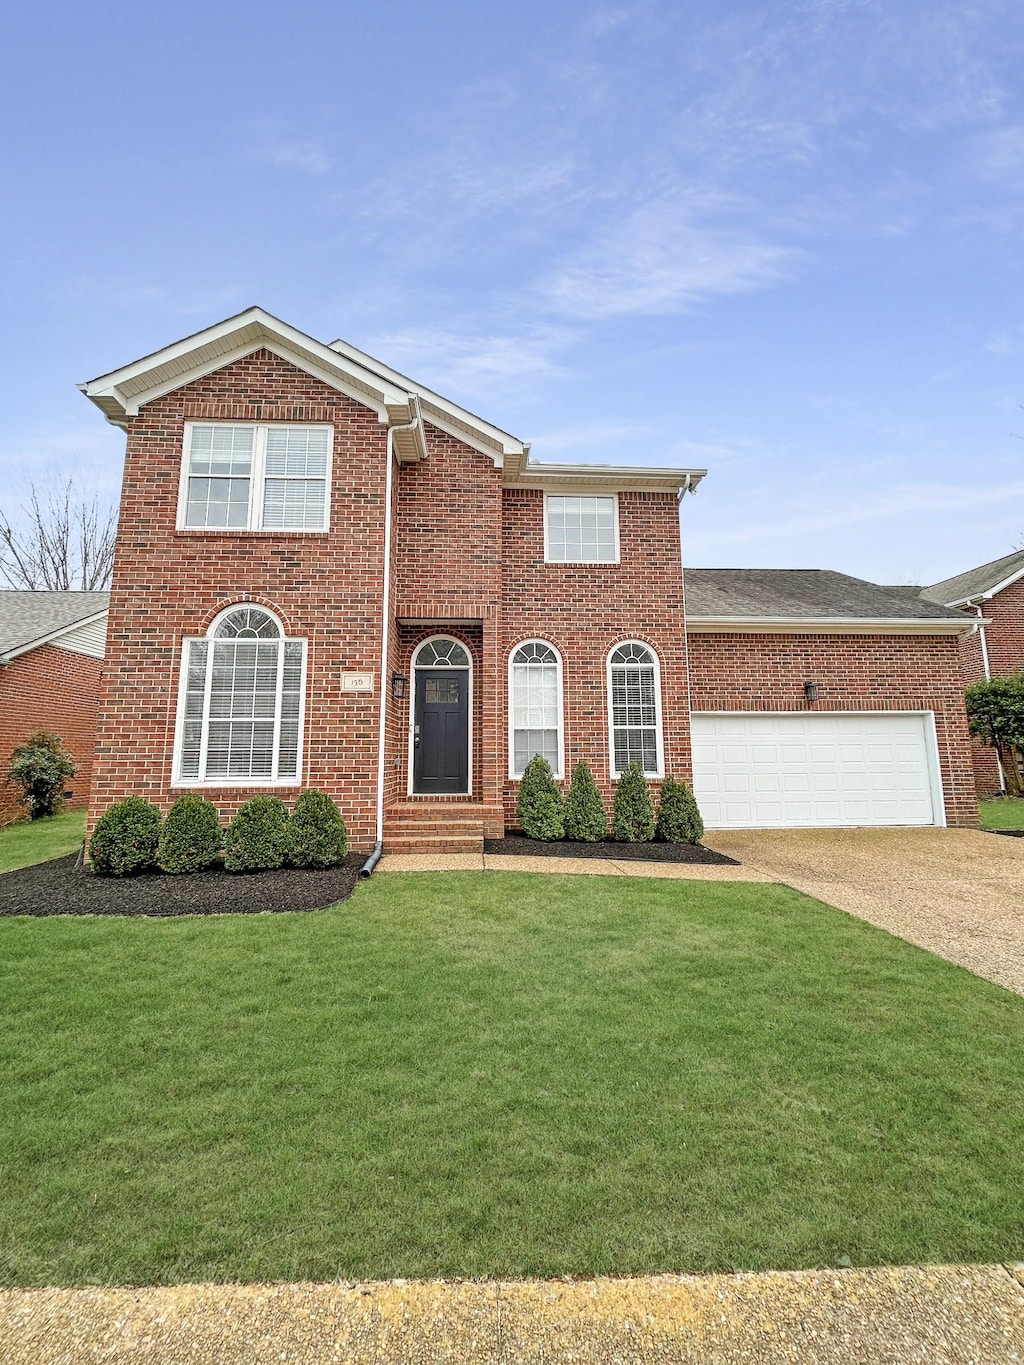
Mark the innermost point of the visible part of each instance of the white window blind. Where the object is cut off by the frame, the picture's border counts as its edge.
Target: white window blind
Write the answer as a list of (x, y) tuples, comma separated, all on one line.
[(256, 477), (581, 530), (535, 707), (635, 718)]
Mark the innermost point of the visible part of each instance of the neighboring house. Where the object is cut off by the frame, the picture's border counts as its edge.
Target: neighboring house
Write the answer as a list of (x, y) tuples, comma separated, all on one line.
[(51, 655), (994, 593), (327, 575)]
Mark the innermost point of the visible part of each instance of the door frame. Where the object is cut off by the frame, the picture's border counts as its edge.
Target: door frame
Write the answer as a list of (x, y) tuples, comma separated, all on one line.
[(410, 752)]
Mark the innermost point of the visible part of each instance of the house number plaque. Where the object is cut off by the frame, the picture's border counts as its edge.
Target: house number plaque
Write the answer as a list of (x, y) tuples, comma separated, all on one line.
[(357, 682)]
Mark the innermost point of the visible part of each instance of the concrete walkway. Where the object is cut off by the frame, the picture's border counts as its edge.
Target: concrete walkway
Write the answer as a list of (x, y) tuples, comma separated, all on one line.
[(938, 1315), (592, 867)]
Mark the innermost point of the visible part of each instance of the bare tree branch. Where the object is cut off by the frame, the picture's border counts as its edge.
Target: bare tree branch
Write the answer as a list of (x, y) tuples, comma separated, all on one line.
[(63, 540)]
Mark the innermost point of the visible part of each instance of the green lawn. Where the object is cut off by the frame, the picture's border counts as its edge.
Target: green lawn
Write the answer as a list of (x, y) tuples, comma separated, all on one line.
[(500, 1074), (1005, 812), (34, 841)]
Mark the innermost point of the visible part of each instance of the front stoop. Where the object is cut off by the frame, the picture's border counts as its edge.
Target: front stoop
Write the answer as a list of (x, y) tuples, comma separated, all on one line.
[(431, 825)]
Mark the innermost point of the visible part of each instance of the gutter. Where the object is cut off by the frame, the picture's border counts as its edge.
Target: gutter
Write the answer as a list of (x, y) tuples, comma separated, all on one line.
[(385, 627)]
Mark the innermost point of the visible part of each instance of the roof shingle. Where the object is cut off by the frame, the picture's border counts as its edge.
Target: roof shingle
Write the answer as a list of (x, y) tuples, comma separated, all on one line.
[(802, 594), (29, 616)]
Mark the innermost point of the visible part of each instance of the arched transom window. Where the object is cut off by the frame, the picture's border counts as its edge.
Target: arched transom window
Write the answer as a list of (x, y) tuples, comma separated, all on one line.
[(441, 652), (634, 705), (240, 707), (535, 706)]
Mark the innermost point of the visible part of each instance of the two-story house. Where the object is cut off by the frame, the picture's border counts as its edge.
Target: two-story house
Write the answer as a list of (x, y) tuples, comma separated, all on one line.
[(329, 576)]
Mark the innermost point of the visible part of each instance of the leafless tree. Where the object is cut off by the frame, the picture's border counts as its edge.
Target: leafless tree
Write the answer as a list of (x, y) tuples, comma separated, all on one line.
[(64, 539)]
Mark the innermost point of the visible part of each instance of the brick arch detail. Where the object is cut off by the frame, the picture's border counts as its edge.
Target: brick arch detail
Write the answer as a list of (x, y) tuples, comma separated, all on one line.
[(245, 600)]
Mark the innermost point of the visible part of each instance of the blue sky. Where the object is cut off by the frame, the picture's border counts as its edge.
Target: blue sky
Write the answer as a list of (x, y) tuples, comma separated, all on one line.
[(782, 240)]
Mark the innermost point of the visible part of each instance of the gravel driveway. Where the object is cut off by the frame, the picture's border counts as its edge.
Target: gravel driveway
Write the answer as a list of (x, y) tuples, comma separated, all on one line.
[(956, 892)]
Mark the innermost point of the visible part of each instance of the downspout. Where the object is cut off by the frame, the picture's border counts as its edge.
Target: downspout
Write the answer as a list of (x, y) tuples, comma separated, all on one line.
[(385, 631), (988, 677)]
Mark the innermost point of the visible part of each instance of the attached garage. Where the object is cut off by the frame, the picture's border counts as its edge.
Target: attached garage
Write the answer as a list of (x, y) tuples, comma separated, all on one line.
[(761, 771)]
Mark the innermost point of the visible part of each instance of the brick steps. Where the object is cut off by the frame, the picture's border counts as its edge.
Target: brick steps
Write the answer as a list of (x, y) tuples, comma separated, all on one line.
[(435, 827)]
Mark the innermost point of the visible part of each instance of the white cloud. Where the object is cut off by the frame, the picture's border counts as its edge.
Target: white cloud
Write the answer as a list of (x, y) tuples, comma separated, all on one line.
[(454, 361), (297, 154)]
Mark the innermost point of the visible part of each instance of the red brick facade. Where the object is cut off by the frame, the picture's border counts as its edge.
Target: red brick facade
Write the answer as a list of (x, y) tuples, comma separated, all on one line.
[(50, 688), (1004, 641)]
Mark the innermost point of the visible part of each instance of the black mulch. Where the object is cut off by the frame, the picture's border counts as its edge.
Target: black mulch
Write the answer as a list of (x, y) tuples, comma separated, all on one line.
[(60, 888), (607, 848), (1010, 833)]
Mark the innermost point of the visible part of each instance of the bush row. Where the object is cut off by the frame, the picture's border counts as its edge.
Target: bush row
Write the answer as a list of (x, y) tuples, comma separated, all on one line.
[(132, 837), (544, 814)]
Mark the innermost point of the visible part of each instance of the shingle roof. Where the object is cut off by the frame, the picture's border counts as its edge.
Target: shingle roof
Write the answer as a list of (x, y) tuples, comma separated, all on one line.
[(801, 594), (29, 616), (976, 582)]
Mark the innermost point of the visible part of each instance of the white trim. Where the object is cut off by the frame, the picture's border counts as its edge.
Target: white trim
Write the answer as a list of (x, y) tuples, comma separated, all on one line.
[(658, 731), (468, 669), (829, 625), (985, 596), (578, 493), (257, 480), (560, 682), (210, 638), (53, 636)]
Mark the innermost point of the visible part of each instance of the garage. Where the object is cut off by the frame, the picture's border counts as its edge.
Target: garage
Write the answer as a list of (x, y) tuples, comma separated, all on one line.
[(758, 770)]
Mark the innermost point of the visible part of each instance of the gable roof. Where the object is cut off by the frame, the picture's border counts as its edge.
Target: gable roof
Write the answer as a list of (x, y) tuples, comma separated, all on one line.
[(819, 599), (30, 619), (396, 399), (977, 585)]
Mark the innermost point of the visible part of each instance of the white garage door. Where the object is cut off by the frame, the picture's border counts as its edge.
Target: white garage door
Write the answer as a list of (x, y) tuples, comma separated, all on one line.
[(759, 771)]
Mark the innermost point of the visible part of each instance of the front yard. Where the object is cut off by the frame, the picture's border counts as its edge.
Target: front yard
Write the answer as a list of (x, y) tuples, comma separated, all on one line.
[(34, 841), (1004, 812), (500, 1074)]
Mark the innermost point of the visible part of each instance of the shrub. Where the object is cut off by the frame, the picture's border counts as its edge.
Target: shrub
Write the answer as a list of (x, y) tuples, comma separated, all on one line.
[(679, 819), (316, 832), (633, 816), (126, 838), (191, 837), (539, 806), (584, 810), (995, 715), (40, 767), (256, 838)]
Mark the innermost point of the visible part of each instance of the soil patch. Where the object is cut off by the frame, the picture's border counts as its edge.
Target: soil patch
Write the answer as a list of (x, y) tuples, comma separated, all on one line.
[(60, 888), (607, 848)]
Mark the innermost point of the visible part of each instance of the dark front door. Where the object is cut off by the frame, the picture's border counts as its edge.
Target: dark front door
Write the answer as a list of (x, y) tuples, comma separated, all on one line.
[(441, 733)]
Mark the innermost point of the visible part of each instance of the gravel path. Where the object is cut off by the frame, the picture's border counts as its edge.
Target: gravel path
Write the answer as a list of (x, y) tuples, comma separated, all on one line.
[(956, 892)]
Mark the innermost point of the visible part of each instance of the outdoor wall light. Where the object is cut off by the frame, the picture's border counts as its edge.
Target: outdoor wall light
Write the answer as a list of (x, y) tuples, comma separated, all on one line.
[(811, 691), (399, 683)]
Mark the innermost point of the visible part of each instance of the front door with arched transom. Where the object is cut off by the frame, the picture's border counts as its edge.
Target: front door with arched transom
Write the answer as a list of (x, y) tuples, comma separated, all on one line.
[(442, 673)]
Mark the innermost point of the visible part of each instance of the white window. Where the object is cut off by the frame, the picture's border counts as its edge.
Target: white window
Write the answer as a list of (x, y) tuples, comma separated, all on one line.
[(240, 703), (634, 709), (255, 478), (581, 530), (535, 706)]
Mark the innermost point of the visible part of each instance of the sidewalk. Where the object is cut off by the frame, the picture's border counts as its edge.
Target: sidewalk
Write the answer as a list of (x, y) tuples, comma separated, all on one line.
[(594, 867), (947, 1315)]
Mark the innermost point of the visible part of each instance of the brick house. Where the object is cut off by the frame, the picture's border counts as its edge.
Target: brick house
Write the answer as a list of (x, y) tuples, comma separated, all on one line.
[(994, 594), (329, 576), (51, 653)]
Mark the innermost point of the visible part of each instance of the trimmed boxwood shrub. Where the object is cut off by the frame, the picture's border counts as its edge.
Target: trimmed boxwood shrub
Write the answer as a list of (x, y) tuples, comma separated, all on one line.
[(679, 819), (126, 838), (539, 806), (316, 832), (585, 819), (39, 768), (633, 816), (256, 839), (191, 837)]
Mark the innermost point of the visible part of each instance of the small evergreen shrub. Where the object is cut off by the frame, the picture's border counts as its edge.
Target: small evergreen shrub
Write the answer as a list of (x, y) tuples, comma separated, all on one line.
[(40, 768), (539, 806), (191, 837), (679, 819), (316, 832), (126, 838), (256, 838), (633, 815), (585, 819)]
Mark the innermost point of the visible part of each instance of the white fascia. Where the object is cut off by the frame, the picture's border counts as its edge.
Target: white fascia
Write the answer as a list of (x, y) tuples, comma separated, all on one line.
[(53, 637), (829, 625), (977, 597)]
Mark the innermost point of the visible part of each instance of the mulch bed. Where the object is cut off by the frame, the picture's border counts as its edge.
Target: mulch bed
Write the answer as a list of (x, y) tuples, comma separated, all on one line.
[(607, 848), (1010, 833), (60, 888)]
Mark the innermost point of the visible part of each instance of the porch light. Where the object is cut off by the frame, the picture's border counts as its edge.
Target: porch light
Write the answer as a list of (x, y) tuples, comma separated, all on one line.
[(811, 691), (399, 683)]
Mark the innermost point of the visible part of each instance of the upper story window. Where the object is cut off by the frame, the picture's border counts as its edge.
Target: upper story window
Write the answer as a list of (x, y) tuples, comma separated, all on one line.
[(255, 477), (581, 530), (535, 706), (634, 707), (240, 704)]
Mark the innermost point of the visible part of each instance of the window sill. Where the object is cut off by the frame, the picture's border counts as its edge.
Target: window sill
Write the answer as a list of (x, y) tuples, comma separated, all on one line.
[(226, 784), (217, 531), (584, 563)]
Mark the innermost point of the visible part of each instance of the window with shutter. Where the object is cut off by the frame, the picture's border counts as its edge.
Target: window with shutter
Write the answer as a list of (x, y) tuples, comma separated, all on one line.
[(634, 707), (252, 478), (535, 706)]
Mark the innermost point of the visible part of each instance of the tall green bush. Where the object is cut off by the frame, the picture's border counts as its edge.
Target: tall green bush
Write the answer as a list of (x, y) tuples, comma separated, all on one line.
[(191, 837), (316, 833), (995, 715), (679, 820), (256, 839), (126, 838), (633, 814), (585, 819), (539, 806), (39, 768)]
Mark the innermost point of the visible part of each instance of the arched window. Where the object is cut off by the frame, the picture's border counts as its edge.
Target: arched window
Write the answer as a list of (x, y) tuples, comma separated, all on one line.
[(634, 709), (535, 706), (441, 652), (240, 706)]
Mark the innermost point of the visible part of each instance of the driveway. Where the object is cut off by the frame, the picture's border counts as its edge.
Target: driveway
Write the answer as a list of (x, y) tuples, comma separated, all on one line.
[(956, 892)]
